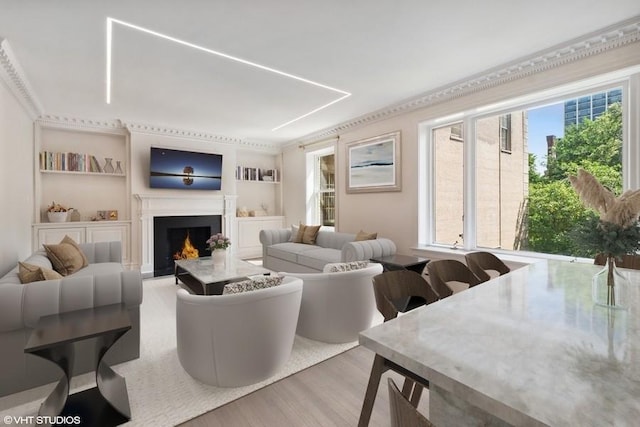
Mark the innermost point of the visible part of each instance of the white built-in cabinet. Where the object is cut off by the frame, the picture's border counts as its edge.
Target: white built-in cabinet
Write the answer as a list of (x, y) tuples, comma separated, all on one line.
[(59, 179), (248, 234)]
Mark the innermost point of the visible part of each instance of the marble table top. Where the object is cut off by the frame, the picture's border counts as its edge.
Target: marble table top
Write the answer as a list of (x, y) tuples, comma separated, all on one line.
[(529, 347), (204, 270)]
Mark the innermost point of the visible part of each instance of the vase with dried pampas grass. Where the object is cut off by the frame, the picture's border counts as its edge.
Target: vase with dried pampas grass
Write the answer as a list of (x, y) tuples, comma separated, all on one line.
[(615, 233)]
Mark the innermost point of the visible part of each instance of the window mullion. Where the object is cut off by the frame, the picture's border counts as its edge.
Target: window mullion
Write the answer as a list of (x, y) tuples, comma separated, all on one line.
[(469, 187)]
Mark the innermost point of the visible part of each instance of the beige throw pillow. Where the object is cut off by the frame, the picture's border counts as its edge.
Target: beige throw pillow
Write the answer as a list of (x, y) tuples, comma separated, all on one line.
[(362, 235), (34, 273), (66, 257), (310, 233)]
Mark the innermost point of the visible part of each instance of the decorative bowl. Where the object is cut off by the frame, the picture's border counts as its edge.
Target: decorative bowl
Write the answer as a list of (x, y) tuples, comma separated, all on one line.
[(57, 216)]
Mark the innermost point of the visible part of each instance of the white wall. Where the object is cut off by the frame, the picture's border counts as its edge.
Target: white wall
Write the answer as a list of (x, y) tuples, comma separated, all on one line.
[(395, 214), (16, 180)]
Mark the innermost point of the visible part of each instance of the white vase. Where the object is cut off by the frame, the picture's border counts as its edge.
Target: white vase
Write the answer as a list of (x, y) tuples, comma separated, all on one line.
[(219, 256), (57, 216)]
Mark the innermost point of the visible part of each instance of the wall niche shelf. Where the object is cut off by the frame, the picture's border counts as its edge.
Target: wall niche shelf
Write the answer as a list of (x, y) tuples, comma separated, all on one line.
[(121, 175)]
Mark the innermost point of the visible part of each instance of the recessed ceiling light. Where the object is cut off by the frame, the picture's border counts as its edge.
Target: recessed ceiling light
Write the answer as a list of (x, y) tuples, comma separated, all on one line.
[(110, 21)]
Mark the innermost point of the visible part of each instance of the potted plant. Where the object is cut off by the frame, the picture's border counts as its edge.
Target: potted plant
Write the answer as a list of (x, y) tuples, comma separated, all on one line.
[(614, 233), (57, 213)]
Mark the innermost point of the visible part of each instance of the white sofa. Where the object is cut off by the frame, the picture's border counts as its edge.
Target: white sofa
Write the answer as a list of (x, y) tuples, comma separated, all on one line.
[(336, 307), (237, 339), (104, 281), (280, 254)]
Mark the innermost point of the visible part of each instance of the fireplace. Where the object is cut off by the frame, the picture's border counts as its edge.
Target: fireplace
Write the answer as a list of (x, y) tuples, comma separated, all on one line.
[(181, 237), (152, 206)]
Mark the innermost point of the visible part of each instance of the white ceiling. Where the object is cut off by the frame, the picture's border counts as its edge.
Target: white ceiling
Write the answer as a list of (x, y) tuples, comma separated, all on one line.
[(379, 51)]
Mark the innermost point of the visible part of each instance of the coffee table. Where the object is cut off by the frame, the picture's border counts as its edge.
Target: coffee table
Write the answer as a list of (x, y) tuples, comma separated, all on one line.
[(202, 277), (53, 339)]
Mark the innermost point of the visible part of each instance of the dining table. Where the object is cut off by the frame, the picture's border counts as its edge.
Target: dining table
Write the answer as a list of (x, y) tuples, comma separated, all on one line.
[(529, 348)]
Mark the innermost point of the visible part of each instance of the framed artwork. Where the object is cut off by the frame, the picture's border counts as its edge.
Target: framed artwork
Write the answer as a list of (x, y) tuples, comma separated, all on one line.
[(374, 164)]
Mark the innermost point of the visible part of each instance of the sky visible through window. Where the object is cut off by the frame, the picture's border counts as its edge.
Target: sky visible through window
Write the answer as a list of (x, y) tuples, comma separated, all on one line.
[(543, 121)]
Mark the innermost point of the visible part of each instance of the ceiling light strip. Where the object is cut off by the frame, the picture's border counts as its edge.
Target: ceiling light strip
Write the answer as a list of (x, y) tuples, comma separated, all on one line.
[(111, 21)]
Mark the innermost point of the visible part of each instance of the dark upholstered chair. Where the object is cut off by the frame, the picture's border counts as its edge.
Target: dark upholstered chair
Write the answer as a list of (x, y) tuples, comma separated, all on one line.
[(388, 288), (443, 271), (403, 413), (482, 262), (625, 261)]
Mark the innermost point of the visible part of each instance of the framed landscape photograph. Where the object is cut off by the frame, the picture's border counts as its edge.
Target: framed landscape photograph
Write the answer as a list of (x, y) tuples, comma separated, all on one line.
[(374, 164)]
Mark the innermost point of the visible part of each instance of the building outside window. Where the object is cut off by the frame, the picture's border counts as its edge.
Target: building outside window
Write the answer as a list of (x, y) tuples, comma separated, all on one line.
[(505, 132)]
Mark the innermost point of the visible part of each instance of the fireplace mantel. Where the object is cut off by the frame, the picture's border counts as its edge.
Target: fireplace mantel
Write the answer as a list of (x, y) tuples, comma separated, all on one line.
[(152, 205)]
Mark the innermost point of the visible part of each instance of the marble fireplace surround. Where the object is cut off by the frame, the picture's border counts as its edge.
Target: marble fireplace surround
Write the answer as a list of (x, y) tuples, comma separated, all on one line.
[(151, 206)]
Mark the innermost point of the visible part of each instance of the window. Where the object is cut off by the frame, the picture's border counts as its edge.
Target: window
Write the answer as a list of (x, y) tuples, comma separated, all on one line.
[(457, 132), (321, 208), (505, 187), (448, 186), (505, 132)]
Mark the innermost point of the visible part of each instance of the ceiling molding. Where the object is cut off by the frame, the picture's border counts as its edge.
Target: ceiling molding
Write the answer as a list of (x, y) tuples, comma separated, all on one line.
[(16, 80), (80, 124), (621, 34), (200, 136)]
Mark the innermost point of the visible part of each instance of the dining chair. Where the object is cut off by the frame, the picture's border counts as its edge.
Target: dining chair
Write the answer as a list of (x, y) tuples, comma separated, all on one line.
[(388, 288), (482, 262), (403, 413), (443, 271), (625, 261)]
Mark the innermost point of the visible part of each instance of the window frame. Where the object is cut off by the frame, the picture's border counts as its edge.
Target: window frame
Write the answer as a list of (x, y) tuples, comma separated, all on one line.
[(313, 215), (627, 80)]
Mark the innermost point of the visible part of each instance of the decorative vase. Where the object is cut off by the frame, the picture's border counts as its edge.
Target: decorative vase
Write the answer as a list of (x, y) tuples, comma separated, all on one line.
[(108, 166), (57, 216), (219, 256), (610, 287), (119, 168)]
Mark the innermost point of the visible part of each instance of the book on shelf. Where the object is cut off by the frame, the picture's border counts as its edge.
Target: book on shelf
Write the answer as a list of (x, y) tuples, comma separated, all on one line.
[(244, 173), (69, 162)]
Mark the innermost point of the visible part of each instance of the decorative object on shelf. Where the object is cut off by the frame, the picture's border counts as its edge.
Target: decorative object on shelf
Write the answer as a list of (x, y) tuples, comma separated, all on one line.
[(108, 165), (242, 212), (101, 216), (112, 215), (119, 168), (616, 232), (75, 216), (57, 213)]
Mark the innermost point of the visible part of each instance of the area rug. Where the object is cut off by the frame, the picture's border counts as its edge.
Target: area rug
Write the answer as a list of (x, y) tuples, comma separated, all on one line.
[(161, 393)]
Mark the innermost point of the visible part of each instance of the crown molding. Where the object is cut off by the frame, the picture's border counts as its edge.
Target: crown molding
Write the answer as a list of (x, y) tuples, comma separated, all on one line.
[(81, 124), (16, 80), (200, 136), (613, 37)]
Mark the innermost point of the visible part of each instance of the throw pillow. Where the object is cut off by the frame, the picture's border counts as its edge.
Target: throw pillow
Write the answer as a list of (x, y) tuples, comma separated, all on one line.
[(251, 284), (337, 267), (69, 240), (65, 257), (310, 233), (362, 235), (294, 233), (34, 273)]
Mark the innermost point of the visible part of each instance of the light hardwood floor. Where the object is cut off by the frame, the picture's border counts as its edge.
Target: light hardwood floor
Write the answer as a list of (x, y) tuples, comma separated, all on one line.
[(327, 394)]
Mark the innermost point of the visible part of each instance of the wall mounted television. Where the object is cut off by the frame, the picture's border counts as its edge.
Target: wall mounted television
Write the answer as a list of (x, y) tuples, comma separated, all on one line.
[(184, 170)]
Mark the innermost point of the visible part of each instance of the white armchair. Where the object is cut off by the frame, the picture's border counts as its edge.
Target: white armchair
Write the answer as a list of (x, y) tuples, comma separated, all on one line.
[(336, 307), (237, 339)]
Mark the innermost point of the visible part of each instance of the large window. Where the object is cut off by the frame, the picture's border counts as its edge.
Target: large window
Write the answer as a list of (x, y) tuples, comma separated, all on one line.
[(322, 198), (504, 185)]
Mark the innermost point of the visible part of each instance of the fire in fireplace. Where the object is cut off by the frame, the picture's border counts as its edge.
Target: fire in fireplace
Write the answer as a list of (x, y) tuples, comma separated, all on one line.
[(188, 251), (181, 237)]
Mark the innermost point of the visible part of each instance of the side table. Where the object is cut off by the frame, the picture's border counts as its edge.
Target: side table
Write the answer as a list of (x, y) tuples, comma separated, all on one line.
[(403, 262), (53, 339)]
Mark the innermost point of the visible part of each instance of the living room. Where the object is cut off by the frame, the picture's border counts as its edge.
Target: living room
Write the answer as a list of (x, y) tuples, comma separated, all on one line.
[(602, 50)]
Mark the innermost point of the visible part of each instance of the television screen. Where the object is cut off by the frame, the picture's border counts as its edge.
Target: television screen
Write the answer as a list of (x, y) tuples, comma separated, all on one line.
[(185, 169)]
